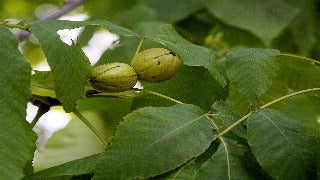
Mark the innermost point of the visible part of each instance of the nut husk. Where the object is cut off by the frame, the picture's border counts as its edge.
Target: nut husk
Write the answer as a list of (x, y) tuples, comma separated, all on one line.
[(113, 77), (156, 64)]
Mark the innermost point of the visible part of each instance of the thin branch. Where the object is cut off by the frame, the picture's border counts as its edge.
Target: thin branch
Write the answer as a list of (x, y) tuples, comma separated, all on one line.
[(92, 128), (70, 5), (43, 108), (5, 23), (299, 57)]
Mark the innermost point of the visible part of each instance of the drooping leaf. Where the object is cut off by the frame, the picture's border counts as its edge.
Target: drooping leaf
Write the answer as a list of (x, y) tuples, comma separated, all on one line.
[(192, 85), (225, 163), (154, 140), (17, 140), (281, 145), (174, 10), (191, 55), (266, 19), (69, 65), (252, 70), (42, 84), (76, 140)]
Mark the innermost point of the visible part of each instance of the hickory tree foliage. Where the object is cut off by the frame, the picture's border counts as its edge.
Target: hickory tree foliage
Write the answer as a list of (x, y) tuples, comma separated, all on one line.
[(245, 104)]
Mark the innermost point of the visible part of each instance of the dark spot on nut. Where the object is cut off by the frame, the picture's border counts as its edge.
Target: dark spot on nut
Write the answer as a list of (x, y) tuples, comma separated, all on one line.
[(158, 63), (153, 77), (173, 53)]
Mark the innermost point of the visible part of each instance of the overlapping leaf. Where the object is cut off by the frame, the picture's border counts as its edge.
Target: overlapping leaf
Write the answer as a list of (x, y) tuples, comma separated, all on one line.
[(281, 145), (17, 141), (252, 70), (152, 141)]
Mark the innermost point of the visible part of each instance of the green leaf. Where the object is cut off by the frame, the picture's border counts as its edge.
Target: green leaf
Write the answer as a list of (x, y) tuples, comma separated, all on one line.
[(280, 145), (252, 70), (42, 84), (17, 140), (266, 19), (174, 10), (298, 74), (154, 140), (191, 55), (69, 65), (305, 109), (225, 163), (192, 85)]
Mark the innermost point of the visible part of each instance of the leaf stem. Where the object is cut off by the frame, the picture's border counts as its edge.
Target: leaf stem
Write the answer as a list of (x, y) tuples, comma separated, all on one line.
[(43, 108), (163, 96), (300, 57), (140, 44), (289, 95), (92, 128), (261, 107), (26, 28)]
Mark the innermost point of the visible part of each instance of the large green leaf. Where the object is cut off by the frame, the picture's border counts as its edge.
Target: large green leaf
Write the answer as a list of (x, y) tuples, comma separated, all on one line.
[(191, 55), (154, 140), (252, 70), (17, 140), (192, 85), (174, 10), (69, 65), (77, 140), (266, 19), (225, 163), (281, 145)]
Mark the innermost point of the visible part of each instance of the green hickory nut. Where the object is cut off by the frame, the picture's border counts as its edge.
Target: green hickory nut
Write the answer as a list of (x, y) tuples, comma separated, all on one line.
[(156, 64), (113, 77)]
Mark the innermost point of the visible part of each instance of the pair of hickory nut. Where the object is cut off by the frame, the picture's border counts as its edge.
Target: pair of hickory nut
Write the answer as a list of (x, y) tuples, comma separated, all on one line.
[(151, 65)]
